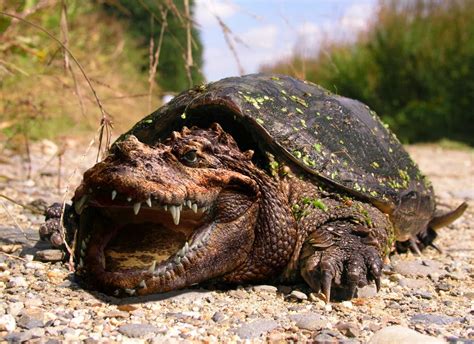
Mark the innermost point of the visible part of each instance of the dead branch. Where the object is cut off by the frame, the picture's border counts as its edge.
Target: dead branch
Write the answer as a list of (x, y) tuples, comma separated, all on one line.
[(228, 40), (15, 221), (32, 209), (28, 11), (189, 52), (105, 122), (155, 56)]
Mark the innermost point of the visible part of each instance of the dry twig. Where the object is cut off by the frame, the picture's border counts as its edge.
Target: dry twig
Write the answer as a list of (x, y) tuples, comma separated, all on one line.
[(228, 39)]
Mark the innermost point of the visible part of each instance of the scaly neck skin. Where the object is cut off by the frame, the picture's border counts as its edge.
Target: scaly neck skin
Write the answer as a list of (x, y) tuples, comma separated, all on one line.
[(275, 230)]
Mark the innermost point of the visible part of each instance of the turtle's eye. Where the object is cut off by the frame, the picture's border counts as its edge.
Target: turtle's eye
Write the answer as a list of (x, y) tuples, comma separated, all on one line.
[(190, 157)]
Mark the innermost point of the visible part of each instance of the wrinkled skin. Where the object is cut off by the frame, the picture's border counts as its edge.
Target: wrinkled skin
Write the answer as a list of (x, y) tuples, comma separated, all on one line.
[(204, 212)]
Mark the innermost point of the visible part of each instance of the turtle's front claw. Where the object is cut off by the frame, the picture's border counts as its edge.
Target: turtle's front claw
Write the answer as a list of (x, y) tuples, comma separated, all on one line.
[(51, 229), (341, 268)]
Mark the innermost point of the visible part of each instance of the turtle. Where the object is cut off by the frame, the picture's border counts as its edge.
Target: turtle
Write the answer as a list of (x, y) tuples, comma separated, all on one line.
[(251, 179)]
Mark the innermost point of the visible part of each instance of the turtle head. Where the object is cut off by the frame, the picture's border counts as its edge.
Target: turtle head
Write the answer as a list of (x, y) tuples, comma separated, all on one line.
[(159, 217)]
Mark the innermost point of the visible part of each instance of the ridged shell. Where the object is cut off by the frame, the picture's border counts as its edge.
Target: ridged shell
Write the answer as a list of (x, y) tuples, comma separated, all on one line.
[(336, 139)]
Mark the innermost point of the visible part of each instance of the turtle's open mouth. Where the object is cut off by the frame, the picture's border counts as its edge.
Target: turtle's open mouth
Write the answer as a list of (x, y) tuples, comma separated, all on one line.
[(123, 243)]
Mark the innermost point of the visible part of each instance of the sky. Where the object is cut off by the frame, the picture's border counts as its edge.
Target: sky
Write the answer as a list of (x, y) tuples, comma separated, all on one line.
[(265, 31)]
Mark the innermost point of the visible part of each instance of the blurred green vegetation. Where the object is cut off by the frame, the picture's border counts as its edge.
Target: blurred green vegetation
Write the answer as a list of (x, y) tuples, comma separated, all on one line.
[(44, 95), (145, 21), (414, 66)]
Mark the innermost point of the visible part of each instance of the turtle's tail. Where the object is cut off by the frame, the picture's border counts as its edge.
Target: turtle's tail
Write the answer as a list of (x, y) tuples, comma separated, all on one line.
[(446, 219)]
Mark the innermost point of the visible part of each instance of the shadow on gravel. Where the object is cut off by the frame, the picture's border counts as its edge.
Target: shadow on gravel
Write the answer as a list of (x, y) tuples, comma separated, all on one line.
[(190, 295)]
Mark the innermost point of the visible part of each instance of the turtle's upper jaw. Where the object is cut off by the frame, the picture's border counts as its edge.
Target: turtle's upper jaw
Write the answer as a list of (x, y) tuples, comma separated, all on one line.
[(149, 224)]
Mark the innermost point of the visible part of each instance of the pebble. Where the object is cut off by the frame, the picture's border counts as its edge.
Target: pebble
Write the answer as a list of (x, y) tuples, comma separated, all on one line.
[(413, 283), (418, 268), (256, 328), (466, 194), (31, 318), (137, 330), (348, 329), (433, 319), (367, 292), (218, 317), (423, 294), (15, 308), (297, 295), (326, 337), (34, 266), (265, 288), (309, 321), (399, 334), (7, 323), (50, 255), (17, 282)]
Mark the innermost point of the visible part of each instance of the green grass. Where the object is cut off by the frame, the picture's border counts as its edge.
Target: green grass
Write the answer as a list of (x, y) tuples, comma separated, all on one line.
[(414, 66), (38, 95)]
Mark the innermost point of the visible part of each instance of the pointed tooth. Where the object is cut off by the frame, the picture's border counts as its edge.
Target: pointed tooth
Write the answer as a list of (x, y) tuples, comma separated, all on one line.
[(194, 207), (186, 247), (185, 260), (189, 204), (177, 260), (83, 245), (136, 207), (114, 194), (152, 267), (81, 262), (178, 214), (148, 202), (129, 199), (165, 207), (142, 284), (130, 291), (173, 211)]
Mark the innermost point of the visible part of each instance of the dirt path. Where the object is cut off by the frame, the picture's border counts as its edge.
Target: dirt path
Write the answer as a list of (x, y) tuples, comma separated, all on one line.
[(433, 295)]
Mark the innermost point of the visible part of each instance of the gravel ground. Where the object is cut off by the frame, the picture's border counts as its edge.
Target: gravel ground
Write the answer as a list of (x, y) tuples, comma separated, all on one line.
[(42, 302)]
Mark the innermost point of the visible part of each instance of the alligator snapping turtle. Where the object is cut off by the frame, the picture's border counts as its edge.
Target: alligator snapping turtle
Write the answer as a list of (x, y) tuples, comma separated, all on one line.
[(248, 179)]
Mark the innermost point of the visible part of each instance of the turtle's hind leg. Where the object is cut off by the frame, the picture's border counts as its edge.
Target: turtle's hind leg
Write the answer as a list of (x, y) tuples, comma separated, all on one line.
[(427, 236)]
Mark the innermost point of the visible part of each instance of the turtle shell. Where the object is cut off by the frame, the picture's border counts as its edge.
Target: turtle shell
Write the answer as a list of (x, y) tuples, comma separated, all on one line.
[(337, 140)]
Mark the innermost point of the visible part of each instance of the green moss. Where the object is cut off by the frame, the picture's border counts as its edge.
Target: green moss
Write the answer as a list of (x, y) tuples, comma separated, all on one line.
[(315, 203)]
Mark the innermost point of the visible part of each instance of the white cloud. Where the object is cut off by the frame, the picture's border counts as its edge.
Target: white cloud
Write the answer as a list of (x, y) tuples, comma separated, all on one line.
[(262, 37), (357, 17), (206, 10)]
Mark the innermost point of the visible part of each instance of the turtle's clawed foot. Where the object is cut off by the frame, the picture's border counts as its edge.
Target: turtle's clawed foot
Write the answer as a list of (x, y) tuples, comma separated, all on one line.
[(340, 269), (419, 242), (51, 230)]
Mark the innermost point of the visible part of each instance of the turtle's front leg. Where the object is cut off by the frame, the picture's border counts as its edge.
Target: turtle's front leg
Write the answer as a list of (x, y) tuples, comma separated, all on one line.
[(343, 255), (51, 230)]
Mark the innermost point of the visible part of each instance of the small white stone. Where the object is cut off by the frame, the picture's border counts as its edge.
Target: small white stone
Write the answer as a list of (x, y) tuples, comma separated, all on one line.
[(15, 308), (400, 334), (347, 304), (7, 323), (17, 282)]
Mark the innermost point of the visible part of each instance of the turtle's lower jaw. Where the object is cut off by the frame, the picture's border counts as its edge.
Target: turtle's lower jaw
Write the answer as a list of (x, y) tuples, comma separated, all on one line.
[(126, 250)]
